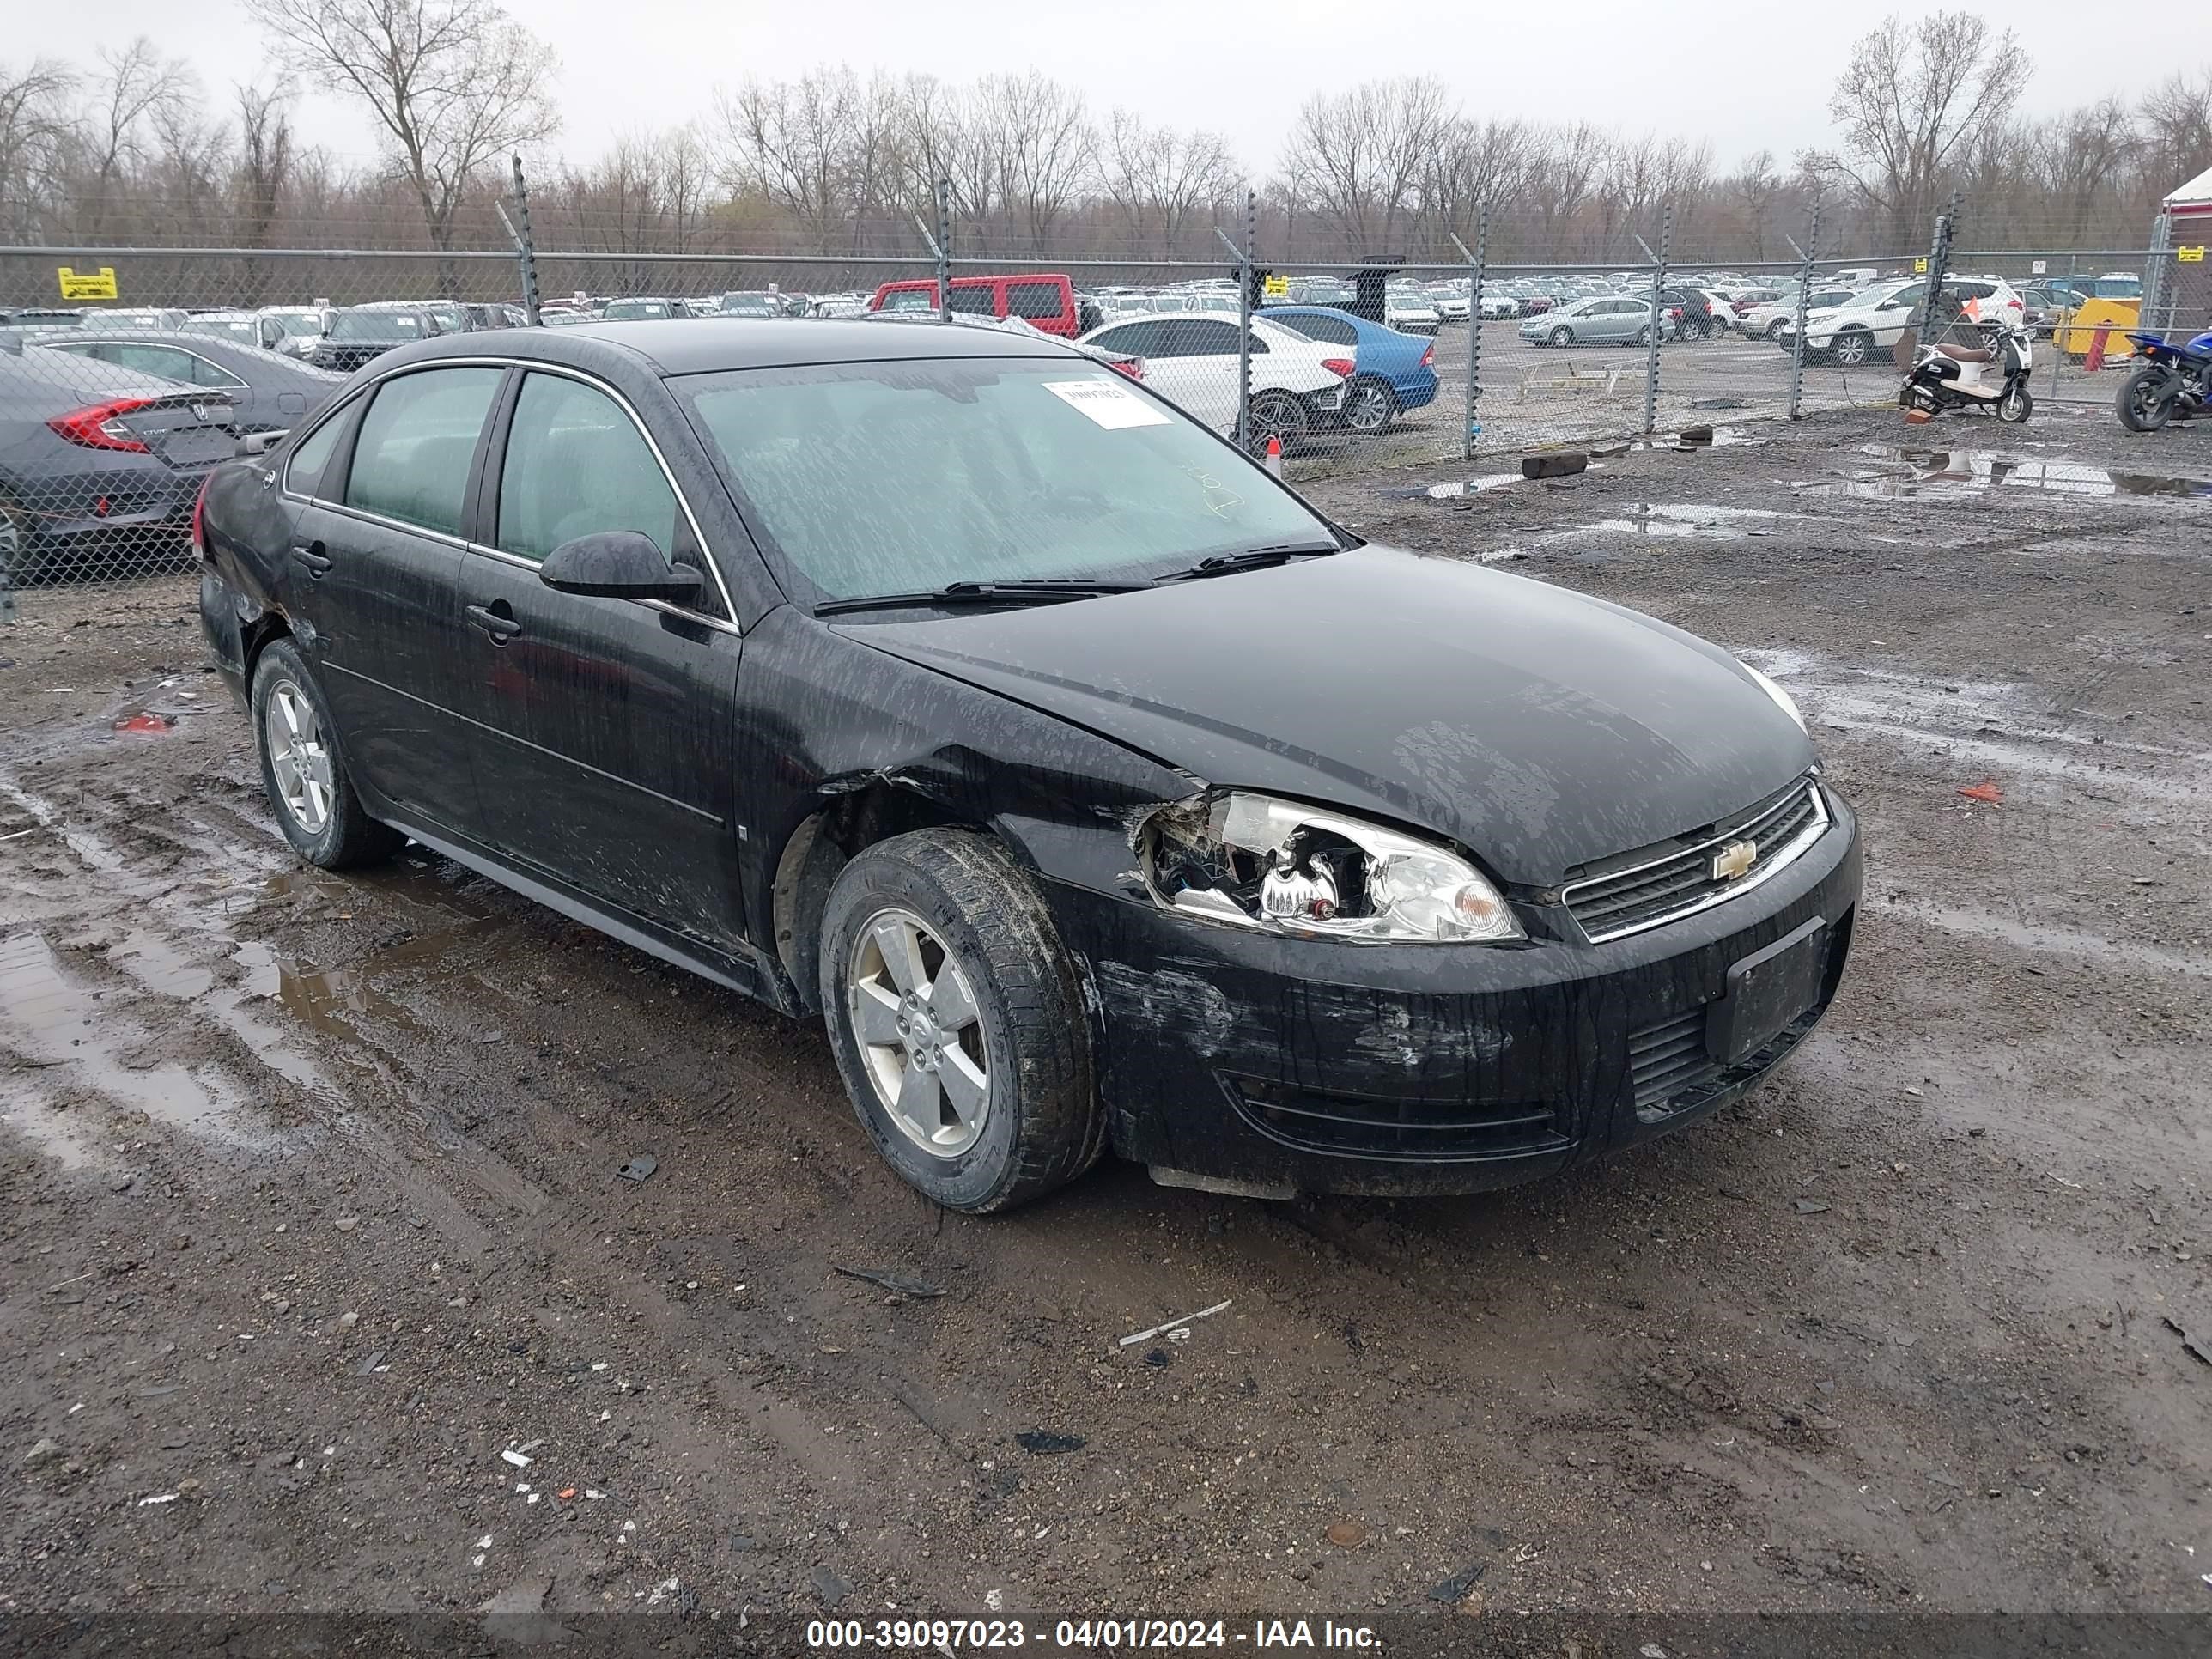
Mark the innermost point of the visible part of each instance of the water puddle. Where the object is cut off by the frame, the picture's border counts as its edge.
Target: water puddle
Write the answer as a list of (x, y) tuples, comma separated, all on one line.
[(332, 1002), (1726, 523), (57, 1030), (1895, 473)]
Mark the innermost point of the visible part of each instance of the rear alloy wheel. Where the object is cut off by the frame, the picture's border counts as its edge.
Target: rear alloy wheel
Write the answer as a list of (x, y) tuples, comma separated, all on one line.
[(957, 1021), (1692, 329), (2146, 400), (1276, 415), (1562, 338), (303, 771), (1774, 329), (1643, 335), (1852, 348), (1369, 406)]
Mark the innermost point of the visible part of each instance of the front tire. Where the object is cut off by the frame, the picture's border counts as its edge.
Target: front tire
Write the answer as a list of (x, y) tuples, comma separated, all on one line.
[(1851, 349), (1643, 335), (2015, 406), (958, 1022), (303, 768), (1562, 338), (2139, 403), (1774, 329)]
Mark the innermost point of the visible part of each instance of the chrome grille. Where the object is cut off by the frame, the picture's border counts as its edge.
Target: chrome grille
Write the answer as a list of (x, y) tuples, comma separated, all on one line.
[(1676, 883)]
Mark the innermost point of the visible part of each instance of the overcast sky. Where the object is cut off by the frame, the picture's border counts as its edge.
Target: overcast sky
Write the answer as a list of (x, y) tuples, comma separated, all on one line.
[(1745, 78)]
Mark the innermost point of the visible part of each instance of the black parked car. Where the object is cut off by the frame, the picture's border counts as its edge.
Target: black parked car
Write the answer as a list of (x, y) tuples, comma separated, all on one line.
[(268, 394), (1692, 313), (361, 334), (100, 465), (1095, 790)]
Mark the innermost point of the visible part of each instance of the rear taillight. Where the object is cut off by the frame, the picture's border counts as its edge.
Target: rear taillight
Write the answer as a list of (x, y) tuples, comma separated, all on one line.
[(1428, 358), (1675, 311), (100, 426), (1340, 367), (199, 518)]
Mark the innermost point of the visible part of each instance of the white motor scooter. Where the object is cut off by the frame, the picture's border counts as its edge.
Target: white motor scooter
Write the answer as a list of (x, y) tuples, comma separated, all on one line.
[(1992, 378)]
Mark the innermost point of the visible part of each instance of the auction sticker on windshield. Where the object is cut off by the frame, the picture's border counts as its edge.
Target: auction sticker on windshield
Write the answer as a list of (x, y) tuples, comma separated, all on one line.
[(1111, 406)]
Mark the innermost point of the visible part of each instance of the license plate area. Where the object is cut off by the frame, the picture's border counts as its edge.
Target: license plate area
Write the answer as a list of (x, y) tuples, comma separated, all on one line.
[(1767, 991)]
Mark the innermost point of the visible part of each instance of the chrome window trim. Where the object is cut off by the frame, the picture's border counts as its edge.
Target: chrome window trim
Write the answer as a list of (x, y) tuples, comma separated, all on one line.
[(530, 365), (1783, 858), (85, 348)]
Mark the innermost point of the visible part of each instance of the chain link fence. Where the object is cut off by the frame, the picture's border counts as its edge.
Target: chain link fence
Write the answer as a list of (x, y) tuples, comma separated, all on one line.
[(127, 372)]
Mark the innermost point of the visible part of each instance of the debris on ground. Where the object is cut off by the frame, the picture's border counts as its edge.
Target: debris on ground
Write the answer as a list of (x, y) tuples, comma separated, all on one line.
[(515, 1458), (1553, 466), (1810, 1207), (41, 1450), (1986, 790), (830, 1585), (143, 725), (1170, 1326), (891, 1278), (1455, 1589), (639, 1168), (1159, 1358), (1043, 1443), (368, 1366), (1346, 1535), (2197, 1342)]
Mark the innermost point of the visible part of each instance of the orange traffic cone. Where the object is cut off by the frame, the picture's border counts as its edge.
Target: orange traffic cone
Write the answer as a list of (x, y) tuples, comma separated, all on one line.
[(2095, 360), (1274, 456)]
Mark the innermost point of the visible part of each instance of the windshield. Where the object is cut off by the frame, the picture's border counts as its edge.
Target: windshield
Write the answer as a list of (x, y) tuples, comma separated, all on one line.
[(377, 326), (893, 478)]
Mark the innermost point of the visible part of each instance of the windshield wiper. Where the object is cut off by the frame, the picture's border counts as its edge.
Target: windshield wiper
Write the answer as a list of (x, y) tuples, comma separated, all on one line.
[(1252, 558), (1007, 592)]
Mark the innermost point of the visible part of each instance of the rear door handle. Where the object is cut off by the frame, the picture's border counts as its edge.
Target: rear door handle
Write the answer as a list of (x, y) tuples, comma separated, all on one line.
[(492, 619), (311, 558)]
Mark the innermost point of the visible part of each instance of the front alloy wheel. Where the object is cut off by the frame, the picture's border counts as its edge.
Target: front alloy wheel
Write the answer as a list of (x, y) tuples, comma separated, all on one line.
[(919, 1033), (1852, 349)]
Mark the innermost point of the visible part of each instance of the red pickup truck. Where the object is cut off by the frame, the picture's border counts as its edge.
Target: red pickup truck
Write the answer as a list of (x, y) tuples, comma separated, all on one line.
[(1044, 300)]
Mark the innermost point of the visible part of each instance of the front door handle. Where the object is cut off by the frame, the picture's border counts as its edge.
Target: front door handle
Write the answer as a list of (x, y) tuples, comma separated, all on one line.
[(497, 620), (311, 558)]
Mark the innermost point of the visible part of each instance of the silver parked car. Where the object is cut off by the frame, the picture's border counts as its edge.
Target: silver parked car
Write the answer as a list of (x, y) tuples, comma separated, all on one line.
[(1606, 320)]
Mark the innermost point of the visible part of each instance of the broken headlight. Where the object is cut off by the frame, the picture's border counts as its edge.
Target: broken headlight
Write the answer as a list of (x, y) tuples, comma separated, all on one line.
[(1257, 862)]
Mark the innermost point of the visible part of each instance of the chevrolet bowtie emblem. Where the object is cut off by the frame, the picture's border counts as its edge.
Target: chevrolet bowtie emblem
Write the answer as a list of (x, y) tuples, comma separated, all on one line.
[(1733, 860)]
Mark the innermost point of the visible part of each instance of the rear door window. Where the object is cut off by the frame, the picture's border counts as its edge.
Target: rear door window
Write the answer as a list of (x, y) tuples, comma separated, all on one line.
[(976, 301), (417, 443), (1035, 299), (1334, 330), (303, 473)]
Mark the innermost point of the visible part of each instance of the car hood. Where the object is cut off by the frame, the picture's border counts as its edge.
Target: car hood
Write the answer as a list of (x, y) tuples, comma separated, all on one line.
[(1537, 727)]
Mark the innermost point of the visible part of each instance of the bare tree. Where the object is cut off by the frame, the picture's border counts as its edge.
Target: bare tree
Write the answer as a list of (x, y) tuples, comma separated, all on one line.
[(1910, 105), (263, 169), (2178, 123), (1159, 178), (1040, 130), (33, 129), (1362, 155), (1563, 171), (454, 84), (133, 86)]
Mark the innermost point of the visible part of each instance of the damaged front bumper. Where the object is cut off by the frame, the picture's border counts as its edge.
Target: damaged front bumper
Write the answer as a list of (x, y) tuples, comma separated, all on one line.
[(1253, 1062)]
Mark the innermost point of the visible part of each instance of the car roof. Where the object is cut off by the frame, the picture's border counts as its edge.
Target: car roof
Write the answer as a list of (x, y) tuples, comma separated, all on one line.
[(700, 345)]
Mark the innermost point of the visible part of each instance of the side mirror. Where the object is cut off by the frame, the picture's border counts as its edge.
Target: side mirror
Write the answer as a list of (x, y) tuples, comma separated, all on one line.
[(619, 564)]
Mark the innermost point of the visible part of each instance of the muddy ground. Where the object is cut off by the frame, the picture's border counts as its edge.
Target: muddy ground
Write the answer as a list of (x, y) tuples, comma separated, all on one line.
[(312, 1209)]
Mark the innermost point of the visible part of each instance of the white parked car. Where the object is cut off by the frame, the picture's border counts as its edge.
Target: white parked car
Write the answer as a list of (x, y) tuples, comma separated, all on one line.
[(1409, 312), (1496, 306), (1449, 299), (1871, 320), (1190, 358), (1767, 321)]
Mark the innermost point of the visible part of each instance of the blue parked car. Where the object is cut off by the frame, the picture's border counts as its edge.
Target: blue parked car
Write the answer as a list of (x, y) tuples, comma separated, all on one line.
[(1390, 371)]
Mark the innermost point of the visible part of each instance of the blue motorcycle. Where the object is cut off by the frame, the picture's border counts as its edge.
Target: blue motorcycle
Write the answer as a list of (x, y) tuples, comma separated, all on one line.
[(2174, 383)]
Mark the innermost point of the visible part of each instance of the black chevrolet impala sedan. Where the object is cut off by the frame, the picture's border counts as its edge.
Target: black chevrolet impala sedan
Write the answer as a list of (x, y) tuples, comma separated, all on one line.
[(1094, 789)]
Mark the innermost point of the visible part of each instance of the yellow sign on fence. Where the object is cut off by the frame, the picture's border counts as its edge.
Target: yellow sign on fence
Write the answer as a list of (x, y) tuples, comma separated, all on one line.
[(90, 284), (2190, 256), (1920, 267), (1277, 287)]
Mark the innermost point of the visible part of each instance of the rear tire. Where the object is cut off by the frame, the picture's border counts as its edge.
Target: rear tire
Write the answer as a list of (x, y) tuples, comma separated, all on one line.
[(303, 768), (1774, 329), (1562, 338), (1278, 414), (1369, 406), (997, 1004), (2140, 407)]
